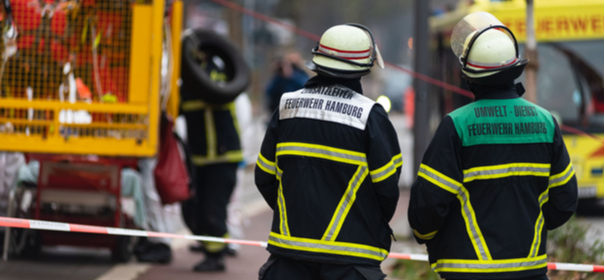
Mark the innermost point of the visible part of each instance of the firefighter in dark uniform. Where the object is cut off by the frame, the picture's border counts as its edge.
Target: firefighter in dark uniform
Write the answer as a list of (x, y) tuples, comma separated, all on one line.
[(329, 166), (213, 137), (496, 175)]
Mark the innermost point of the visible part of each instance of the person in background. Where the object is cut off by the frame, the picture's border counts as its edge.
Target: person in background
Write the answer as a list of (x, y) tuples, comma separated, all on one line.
[(235, 211), (288, 76), (496, 175), (10, 163), (213, 137), (151, 249), (329, 167)]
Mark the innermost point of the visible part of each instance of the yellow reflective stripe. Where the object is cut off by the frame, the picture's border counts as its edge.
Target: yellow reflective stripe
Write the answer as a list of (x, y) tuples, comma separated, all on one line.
[(196, 105), (538, 227), (321, 151), (231, 156), (506, 170), (231, 107), (554, 181), (427, 236), (561, 178), (327, 247), (398, 160), (491, 266), (265, 164), (387, 170), (466, 208), (345, 204), (472, 227), (439, 179), (215, 247), (210, 135), (281, 203)]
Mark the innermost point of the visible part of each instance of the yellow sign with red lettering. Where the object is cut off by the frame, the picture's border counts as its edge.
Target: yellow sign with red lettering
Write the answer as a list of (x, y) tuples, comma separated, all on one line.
[(553, 20)]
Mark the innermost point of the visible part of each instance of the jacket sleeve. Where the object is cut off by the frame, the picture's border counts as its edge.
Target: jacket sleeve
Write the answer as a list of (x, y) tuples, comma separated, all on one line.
[(384, 160), (439, 180), (562, 185), (266, 168)]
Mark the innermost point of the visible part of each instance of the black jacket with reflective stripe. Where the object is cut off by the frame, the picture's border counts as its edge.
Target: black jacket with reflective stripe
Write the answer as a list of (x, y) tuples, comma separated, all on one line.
[(329, 167), (494, 178), (212, 131)]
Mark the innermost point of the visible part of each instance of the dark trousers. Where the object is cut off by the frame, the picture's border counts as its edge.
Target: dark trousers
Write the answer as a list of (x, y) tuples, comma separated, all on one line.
[(278, 267), (214, 186)]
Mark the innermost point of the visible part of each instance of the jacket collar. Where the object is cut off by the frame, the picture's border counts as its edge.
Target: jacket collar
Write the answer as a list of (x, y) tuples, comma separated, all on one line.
[(319, 80), (503, 91)]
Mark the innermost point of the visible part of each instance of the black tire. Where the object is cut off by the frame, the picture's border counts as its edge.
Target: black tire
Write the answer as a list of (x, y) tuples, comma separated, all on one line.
[(197, 83), (122, 250)]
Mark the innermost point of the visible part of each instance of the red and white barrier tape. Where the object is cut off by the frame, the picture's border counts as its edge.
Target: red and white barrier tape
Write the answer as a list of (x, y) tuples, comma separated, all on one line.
[(57, 226)]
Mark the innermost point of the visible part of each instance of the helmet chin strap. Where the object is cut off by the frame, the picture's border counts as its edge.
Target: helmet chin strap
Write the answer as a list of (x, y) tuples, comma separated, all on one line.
[(464, 57), (508, 74)]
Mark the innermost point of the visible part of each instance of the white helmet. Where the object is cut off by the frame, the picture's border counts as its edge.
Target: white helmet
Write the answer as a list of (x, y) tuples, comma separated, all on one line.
[(487, 50), (345, 51)]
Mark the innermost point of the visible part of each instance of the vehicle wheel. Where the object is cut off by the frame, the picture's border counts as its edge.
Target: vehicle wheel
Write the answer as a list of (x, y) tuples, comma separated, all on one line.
[(198, 43), (122, 250)]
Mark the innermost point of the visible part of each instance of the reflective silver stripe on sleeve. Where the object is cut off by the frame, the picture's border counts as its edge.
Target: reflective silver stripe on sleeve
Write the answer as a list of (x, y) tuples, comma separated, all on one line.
[(557, 181), (266, 165), (389, 169), (398, 161)]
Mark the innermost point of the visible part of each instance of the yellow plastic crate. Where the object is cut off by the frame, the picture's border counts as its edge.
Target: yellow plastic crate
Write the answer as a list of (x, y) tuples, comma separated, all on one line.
[(86, 78)]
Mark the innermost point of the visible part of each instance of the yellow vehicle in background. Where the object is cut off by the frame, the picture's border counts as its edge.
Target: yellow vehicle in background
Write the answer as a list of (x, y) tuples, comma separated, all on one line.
[(570, 74), (82, 86), (85, 76)]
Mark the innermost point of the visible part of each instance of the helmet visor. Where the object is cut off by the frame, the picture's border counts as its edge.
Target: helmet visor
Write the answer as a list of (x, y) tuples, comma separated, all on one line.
[(468, 27)]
